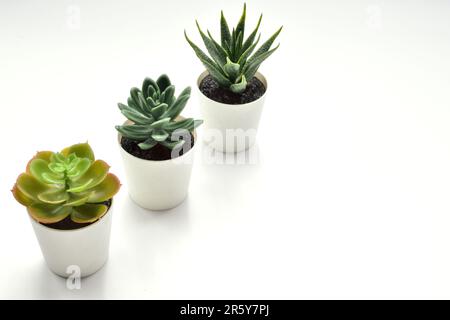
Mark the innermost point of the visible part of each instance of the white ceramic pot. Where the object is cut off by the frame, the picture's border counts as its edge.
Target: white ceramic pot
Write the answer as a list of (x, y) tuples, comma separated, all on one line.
[(158, 185), (227, 127), (75, 252)]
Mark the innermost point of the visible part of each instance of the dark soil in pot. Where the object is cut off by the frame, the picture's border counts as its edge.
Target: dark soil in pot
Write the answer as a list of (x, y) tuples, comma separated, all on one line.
[(68, 224), (157, 153), (210, 88)]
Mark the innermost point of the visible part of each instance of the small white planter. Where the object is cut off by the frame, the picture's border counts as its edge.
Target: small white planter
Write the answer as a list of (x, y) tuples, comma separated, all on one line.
[(79, 252), (158, 185), (228, 127)]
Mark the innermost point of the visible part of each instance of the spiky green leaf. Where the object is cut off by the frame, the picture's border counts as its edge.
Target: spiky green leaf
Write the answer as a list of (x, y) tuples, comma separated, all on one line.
[(240, 28), (224, 30), (265, 46), (252, 36), (217, 55), (214, 70), (244, 56), (252, 66)]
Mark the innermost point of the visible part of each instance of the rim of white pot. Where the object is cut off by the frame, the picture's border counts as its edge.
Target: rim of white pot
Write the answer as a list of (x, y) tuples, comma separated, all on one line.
[(194, 134), (258, 75), (72, 230)]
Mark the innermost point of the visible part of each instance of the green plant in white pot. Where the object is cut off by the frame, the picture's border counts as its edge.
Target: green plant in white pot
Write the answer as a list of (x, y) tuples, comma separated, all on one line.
[(156, 144), (68, 196), (232, 91)]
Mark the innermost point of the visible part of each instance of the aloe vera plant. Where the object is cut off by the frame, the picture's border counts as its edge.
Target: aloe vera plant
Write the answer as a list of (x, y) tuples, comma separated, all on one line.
[(231, 62), (67, 183), (153, 112)]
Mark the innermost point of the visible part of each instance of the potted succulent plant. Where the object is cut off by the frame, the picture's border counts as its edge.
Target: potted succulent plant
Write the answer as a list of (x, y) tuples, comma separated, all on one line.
[(156, 144), (69, 196), (232, 91)]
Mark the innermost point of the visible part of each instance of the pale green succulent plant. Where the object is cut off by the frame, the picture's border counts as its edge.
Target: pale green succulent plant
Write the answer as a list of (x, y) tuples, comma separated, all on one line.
[(231, 62), (153, 112), (67, 183)]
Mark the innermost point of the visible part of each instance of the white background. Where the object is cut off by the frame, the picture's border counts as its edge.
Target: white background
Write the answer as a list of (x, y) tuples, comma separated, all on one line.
[(349, 198)]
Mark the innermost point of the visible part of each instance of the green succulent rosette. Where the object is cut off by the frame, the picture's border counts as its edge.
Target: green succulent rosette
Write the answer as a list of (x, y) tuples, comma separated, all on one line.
[(153, 112), (67, 183), (233, 62)]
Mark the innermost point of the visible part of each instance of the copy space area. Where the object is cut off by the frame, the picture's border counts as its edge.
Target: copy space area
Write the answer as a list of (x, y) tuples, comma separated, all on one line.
[(346, 196)]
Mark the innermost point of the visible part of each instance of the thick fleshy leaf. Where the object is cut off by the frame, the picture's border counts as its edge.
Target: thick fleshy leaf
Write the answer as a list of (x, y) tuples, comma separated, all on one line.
[(134, 93), (197, 123), (134, 132), (21, 197), (163, 82), (40, 170), (150, 92), (172, 101), (252, 66), (82, 150), (224, 30), (31, 187), (237, 46), (131, 104), (142, 102), (167, 95), (185, 123), (94, 176), (105, 190), (244, 56), (160, 123), (232, 44), (88, 212), (239, 87), (227, 48), (73, 160), (44, 155), (231, 69), (77, 199), (151, 103), (46, 213), (252, 36), (54, 196), (159, 110), (218, 56), (148, 144), (214, 70), (135, 116), (57, 167), (265, 46), (80, 169), (159, 135), (240, 28), (186, 91), (146, 85), (218, 47), (188, 124), (177, 107)]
